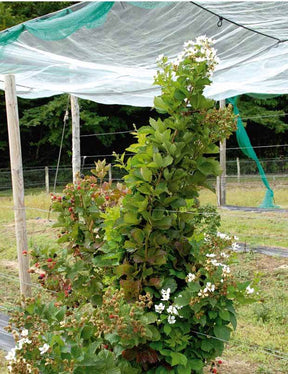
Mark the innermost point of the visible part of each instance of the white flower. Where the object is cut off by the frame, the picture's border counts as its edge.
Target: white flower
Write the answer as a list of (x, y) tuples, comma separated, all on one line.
[(209, 287), (171, 319), (178, 306), (191, 277), (235, 246), (225, 270), (11, 355), (9, 367), (172, 310), (203, 293), (160, 58), (22, 341), (24, 332), (223, 236), (44, 349), (165, 294), (249, 290), (159, 308), (210, 255), (224, 255), (215, 262)]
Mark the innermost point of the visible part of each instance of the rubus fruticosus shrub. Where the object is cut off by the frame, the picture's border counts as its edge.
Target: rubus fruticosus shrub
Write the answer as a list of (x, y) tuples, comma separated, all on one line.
[(143, 284)]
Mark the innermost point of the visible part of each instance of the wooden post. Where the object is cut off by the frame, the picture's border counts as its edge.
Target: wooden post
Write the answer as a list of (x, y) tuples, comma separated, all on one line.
[(238, 169), (110, 173), (221, 181), (17, 183), (47, 179), (76, 159)]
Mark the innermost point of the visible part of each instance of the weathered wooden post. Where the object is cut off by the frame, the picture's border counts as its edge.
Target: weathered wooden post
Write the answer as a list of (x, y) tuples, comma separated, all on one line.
[(17, 183), (110, 173), (47, 179), (238, 169), (221, 180), (76, 159)]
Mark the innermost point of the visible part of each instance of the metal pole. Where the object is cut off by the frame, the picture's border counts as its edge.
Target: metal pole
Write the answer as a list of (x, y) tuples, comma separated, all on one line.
[(17, 183)]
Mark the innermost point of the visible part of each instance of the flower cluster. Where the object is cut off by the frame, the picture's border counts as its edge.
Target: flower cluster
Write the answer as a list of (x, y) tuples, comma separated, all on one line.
[(172, 310), (199, 51), (11, 355), (21, 344), (209, 288)]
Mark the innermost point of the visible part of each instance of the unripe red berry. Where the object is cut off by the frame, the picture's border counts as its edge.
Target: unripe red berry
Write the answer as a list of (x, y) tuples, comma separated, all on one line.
[(220, 362), (24, 253), (214, 371), (49, 259), (70, 209)]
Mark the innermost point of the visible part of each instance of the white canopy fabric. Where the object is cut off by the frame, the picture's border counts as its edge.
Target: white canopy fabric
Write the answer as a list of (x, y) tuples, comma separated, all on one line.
[(111, 58)]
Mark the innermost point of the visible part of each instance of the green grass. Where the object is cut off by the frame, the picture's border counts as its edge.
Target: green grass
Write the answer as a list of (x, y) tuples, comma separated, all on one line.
[(263, 324), (255, 229)]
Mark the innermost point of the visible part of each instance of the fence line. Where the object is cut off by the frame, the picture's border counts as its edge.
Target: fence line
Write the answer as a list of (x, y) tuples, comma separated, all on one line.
[(35, 285)]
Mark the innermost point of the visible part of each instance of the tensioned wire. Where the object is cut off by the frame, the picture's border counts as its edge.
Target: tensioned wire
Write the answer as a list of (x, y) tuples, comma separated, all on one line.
[(190, 212)]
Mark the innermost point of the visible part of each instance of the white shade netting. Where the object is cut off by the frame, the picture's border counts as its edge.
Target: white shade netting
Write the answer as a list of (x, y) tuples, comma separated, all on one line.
[(113, 60)]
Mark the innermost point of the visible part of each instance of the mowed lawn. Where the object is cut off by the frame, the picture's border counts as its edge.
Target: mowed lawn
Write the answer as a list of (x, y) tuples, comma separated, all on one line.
[(259, 344)]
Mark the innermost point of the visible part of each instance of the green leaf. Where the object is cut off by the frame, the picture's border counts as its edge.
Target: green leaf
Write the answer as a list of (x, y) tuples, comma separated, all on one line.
[(76, 351), (150, 317), (179, 94), (146, 174), (158, 159), (87, 332), (222, 332), (131, 218), (159, 105), (183, 299), (206, 346), (178, 359), (225, 315), (60, 314), (170, 283), (167, 329), (196, 364), (153, 333), (233, 320)]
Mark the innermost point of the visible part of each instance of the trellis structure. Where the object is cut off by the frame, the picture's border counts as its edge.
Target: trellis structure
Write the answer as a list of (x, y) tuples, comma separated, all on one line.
[(106, 52)]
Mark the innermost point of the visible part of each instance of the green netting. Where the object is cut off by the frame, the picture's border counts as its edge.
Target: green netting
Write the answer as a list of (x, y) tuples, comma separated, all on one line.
[(247, 149), (62, 24)]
